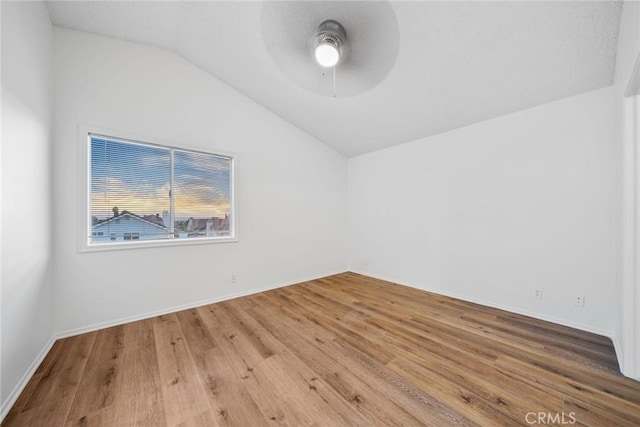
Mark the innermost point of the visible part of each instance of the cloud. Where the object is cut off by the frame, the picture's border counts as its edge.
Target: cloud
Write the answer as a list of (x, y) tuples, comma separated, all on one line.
[(136, 178), (190, 200), (142, 200)]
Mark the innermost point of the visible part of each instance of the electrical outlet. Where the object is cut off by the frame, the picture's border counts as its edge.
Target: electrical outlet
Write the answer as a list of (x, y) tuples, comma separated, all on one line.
[(579, 301), (538, 293), (234, 278)]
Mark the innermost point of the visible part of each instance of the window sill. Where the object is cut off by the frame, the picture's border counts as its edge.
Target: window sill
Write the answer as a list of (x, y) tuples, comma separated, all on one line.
[(99, 247)]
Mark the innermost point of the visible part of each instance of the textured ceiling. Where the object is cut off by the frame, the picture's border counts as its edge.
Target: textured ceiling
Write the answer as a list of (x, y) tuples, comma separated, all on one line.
[(457, 63)]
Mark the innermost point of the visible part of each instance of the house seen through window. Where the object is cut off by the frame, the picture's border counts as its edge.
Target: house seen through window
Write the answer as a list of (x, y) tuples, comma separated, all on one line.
[(147, 192)]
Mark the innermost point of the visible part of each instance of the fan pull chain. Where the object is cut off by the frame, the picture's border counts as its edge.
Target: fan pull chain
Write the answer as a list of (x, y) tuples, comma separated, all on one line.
[(334, 78), (334, 81)]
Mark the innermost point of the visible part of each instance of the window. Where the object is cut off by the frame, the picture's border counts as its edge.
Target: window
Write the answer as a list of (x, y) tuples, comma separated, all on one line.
[(152, 193)]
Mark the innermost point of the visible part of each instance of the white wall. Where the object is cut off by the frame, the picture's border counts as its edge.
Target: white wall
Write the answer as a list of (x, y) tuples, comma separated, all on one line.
[(628, 44), (26, 202), (291, 197), (492, 211), (628, 319)]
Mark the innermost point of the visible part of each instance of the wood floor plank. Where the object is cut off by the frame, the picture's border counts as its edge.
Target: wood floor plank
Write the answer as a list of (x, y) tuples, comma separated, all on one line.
[(366, 367), (52, 413), (182, 390), (592, 416), (64, 373), (456, 365), (461, 399), (342, 350), (250, 377), (548, 380), (232, 404), (96, 391), (339, 324), (503, 343), (311, 396), (426, 405), (139, 401), (47, 403), (43, 372), (370, 396)]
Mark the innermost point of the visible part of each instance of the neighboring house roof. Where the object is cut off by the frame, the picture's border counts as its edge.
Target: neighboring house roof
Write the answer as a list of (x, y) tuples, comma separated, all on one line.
[(195, 224), (132, 215), (156, 219), (202, 224)]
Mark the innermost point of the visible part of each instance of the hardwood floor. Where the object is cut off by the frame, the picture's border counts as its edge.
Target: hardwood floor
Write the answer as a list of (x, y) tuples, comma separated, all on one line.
[(346, 350)]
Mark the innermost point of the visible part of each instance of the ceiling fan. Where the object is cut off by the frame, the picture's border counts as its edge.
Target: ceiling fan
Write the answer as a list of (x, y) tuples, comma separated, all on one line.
[(357, 42)]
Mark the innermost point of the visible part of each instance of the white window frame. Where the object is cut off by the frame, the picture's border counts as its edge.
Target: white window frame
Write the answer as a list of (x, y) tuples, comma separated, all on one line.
[(84, 230)]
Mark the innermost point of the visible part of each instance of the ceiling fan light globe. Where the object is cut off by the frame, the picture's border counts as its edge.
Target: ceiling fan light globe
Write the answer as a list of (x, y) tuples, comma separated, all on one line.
[(327, 55)]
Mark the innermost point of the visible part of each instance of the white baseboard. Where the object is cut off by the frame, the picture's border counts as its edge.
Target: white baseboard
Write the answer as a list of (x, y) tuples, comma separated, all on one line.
[(150, 314), (627, 369), (619, 355), (511, 309), (13, 396), (6, 406)]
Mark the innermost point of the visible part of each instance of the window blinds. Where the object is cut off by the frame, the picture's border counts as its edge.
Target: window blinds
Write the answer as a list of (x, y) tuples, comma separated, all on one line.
[(147, 192)]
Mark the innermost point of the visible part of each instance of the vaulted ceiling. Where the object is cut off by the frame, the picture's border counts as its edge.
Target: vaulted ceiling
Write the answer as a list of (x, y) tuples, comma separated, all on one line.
[(415, 68)]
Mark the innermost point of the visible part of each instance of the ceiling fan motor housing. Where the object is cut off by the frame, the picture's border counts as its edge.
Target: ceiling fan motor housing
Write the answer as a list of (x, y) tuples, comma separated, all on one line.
[(331, 33)]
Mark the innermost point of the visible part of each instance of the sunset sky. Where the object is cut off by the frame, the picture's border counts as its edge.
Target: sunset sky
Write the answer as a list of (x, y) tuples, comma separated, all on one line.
[(136, 178)]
